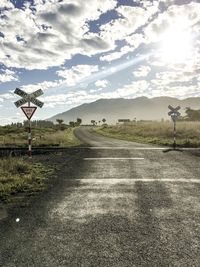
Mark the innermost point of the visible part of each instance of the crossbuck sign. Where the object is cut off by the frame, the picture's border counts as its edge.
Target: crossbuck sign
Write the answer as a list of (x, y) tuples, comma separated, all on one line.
[(28, 110), (174, 113), (28, 98)]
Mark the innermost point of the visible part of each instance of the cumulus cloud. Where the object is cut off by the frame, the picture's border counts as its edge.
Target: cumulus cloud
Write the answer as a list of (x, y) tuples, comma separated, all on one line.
[(142, 71), (116, 55), (124, 28), (175, 16), (6, 96), (101, 83), (8, 76), (53, 33), (6, 4), (29, 88), (77, 74)]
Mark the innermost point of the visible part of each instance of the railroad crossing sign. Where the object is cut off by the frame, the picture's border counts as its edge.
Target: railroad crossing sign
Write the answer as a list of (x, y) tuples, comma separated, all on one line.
[(28, 98), (29, 111), (174, 111)]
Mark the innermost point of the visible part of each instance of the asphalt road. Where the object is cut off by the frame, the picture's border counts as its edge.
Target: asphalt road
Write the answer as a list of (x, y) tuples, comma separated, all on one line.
[(116, 204)]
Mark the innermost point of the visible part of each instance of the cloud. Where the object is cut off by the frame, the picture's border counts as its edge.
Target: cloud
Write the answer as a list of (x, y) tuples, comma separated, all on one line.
[(116, 55), (101, 83), (131, 18), (142, 71), (52, 33), (182, 17), (168, 77), (77, 74), (29, 88), (6, 4), (8, 76), (6, 96)]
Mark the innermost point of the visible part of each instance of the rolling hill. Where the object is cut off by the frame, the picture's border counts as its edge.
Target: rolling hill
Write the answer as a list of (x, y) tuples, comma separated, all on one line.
[(141, 108)]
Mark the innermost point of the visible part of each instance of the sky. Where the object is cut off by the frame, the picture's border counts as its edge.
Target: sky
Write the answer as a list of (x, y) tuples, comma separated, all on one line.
[(80, 51)]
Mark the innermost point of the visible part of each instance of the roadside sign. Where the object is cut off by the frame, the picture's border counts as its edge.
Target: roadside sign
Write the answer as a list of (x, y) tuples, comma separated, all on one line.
[(20, 102), (174, 109), (37, 102), (29, 111), (174, 115), (20, 92), (28, 98)]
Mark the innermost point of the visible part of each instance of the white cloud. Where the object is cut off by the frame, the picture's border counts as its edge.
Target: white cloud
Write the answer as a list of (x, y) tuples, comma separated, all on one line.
[(43, 85), (131, 19), (183, 17), (77, 74), (101, 83), (51, 34), (8, 76), (135, 40), (136, 88), (6, 96), (6, 4), (116, 55), (142, 71), (95, 90), (174, 76)]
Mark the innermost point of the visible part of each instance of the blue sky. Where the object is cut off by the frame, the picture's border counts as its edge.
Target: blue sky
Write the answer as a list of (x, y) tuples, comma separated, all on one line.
[(79, 51)]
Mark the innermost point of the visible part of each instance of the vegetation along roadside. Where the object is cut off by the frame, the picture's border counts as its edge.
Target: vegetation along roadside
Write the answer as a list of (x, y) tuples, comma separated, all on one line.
[(154, 132), (20, 177)]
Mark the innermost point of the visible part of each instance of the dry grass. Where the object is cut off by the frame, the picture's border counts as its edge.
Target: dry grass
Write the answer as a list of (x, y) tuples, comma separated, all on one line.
[(20, 176), (40, 137), (188, 133)]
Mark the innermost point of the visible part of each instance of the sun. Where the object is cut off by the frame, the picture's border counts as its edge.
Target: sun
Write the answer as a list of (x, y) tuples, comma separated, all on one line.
[(176, 46)]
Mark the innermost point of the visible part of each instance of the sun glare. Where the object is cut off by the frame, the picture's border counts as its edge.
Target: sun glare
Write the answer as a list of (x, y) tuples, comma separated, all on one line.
[(176, 46)]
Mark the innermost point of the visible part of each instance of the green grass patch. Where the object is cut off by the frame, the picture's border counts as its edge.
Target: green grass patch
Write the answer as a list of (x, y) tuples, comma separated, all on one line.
[(159, 133), (17, 175)]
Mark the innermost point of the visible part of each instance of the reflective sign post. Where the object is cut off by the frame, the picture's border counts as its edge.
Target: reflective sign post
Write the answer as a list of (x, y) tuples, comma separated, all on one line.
[(174, 115), (29, 111)]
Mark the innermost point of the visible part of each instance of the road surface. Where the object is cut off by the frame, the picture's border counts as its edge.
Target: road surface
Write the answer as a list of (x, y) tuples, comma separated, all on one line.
[(115, 204)]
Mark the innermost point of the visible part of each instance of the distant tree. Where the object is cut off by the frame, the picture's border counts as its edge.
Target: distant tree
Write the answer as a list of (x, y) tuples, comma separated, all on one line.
[(99, 122), (60, 124), (71, 124), (78, 121), (59, 121), (192, 115), (103, 120), (93, 122)]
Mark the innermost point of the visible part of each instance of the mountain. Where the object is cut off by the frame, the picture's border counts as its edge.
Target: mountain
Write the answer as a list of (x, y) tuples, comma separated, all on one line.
[(141, 108)]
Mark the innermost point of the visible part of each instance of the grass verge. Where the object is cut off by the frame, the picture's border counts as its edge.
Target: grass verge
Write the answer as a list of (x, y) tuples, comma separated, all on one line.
[(40, 137), (159, 133), (20, 177)]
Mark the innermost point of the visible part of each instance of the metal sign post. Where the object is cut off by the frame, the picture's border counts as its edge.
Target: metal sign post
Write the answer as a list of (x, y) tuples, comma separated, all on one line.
[(174, 115), (29, 111)]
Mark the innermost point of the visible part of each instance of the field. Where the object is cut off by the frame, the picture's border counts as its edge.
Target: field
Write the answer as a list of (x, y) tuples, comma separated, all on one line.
[(13, 136), (160, 133)]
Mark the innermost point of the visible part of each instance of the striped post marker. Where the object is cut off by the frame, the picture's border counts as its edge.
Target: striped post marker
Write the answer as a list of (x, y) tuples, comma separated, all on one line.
[(29, 136)]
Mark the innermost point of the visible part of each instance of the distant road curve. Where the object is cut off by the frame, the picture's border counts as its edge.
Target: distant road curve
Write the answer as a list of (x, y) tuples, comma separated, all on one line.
[(86, 135)]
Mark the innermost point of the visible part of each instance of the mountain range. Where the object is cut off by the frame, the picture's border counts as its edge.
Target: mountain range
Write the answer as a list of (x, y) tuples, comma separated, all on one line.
[(140, 108)]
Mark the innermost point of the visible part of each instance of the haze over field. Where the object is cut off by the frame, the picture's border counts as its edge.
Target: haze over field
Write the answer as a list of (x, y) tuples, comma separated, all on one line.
[(141, 108), (81, 51)]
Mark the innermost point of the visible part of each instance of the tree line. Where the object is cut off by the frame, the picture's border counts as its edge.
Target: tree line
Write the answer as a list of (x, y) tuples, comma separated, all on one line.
[(191, 115)]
